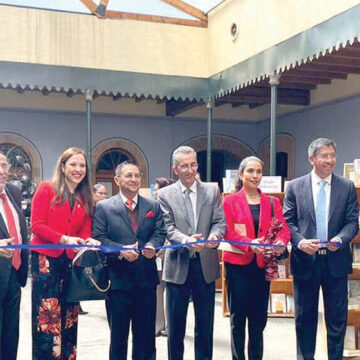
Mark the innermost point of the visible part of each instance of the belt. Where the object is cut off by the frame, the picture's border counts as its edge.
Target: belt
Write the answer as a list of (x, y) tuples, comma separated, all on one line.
[(322, 252)]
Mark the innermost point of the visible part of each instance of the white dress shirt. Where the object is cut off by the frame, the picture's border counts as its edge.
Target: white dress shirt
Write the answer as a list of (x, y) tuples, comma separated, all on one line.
[(15, 215), (134, 199)]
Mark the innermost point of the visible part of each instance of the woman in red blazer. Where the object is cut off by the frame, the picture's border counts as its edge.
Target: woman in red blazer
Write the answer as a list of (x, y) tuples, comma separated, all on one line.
[(248, 216), (61, 214)]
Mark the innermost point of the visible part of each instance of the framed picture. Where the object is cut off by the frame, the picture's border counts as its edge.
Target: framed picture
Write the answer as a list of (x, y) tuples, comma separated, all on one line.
[(349, 171)]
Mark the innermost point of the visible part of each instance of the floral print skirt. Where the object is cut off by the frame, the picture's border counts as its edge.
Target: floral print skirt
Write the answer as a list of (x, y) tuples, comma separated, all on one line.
[(54, 321)]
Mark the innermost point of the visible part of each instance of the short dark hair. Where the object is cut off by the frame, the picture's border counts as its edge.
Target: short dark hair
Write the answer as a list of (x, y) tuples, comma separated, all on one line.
[(163, 181), (124, 163)]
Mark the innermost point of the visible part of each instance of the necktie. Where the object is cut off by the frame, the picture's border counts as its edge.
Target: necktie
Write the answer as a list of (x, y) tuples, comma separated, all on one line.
[(321, 226), (129, 204), (16, 260), (189, 210)]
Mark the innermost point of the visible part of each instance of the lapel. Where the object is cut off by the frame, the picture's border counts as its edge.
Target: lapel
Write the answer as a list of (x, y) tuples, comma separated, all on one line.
[(263, 214), (307, 195), (179, 199), (246, 209), (121, 210), (142, 210), (199, 200), (22, 224), (334, 194)]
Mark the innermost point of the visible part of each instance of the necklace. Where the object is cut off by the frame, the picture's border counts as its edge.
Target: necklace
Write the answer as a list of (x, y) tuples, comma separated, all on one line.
[(252, 197)]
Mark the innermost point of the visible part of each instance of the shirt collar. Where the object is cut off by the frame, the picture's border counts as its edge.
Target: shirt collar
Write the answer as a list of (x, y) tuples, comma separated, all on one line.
[(125, 199), (193, 187), (316, 179)]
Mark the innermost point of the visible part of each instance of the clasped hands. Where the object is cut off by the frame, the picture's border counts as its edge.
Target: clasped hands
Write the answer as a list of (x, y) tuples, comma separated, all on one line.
[(262, 249), (75, 240), (199, 247), (311, 246)]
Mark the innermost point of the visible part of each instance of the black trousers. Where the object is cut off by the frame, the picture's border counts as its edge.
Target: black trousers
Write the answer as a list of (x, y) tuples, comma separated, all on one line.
[(138, 307), (306, 296), (177, 302), (9, 318), (248, 297)]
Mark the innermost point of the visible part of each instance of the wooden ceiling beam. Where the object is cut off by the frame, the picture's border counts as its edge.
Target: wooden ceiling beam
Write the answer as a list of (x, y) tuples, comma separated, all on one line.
[(329, 68), (284, 100), (316, 74), (153, 18), (187, 8), (176, 107), (338, 60), (304, 80)]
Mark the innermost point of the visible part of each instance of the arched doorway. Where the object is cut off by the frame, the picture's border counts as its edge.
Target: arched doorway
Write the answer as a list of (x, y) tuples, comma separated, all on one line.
[(108, 154), (226, 154)]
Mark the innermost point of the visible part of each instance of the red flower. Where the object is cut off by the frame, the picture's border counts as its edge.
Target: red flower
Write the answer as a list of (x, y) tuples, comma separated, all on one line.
[(44, 264), (72, 316), (73, 355), (49, 318)]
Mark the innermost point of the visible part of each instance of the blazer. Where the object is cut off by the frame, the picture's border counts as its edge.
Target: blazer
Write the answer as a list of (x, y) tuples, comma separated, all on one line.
[(343, 222), (210, 219), (50, 221), (112, 226), (14, 196), (240, 226)]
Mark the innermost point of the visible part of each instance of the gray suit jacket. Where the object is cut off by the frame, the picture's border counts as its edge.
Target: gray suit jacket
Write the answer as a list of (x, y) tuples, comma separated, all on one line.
[(210, 219), (299, 213)]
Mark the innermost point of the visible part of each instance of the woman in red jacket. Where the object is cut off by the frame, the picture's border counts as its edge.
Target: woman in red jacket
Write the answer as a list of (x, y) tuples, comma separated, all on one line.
[(248, 216), (61, 214)]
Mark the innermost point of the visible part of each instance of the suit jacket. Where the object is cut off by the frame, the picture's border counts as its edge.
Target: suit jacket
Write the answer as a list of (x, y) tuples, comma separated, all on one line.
[(112, 226), (14, 196), (240, 226), (210, 219), (49, 221), (343, 221)]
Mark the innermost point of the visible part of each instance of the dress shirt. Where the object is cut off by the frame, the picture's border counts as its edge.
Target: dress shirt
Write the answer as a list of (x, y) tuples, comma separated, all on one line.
[(193, 197), (134, 199), (15, 215)]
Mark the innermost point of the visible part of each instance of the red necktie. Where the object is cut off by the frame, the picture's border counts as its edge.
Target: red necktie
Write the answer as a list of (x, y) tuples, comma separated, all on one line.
[(129, 204), (16, 260)]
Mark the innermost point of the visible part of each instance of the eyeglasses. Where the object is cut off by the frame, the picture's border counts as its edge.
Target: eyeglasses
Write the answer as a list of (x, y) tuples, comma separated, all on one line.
[(327, 156), (130, 176), (184, 167)]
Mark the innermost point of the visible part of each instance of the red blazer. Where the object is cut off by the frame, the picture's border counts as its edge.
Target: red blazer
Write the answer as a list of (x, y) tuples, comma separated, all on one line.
[(240, 226), (49, 222)]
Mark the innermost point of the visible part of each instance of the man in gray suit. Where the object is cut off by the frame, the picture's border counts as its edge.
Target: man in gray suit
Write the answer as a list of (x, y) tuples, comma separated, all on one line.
[(192, 210)]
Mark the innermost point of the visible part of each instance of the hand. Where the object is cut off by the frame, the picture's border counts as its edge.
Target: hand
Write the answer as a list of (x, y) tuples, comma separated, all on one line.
[(6, 253), (212, 245), (195, 237), (257, 249), (334, 244), (91, 241), (279, 250), (130, 255), (149, 251), (72, 240), (310, 246)]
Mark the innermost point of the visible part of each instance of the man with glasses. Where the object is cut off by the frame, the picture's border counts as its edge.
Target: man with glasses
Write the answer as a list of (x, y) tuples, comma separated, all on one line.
[(134, 222), (192, 211), (13, 263), (321, 210)]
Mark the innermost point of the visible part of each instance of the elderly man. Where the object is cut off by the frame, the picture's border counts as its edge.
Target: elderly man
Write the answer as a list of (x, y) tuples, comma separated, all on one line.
[(132, 221), (192, 211), (13, 264), (321, 210)]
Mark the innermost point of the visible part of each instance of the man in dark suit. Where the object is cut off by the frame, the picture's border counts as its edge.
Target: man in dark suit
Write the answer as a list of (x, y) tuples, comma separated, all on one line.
[(132, 221), (192, 210), (322, 212), (13, 264)]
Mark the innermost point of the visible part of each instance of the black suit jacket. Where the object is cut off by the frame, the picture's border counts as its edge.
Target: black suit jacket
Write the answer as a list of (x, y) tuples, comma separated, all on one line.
[(5, 264), (299, 213), (111, 225)]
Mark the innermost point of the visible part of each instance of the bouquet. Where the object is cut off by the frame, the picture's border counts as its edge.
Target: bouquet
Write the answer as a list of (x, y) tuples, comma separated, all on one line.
[(270, 258)]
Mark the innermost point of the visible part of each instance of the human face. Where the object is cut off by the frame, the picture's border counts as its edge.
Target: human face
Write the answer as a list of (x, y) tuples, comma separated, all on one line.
[(74, 170), (324, 161), (129, 180), (251, 175), (100, 194), (4, 171), (186, 169)]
